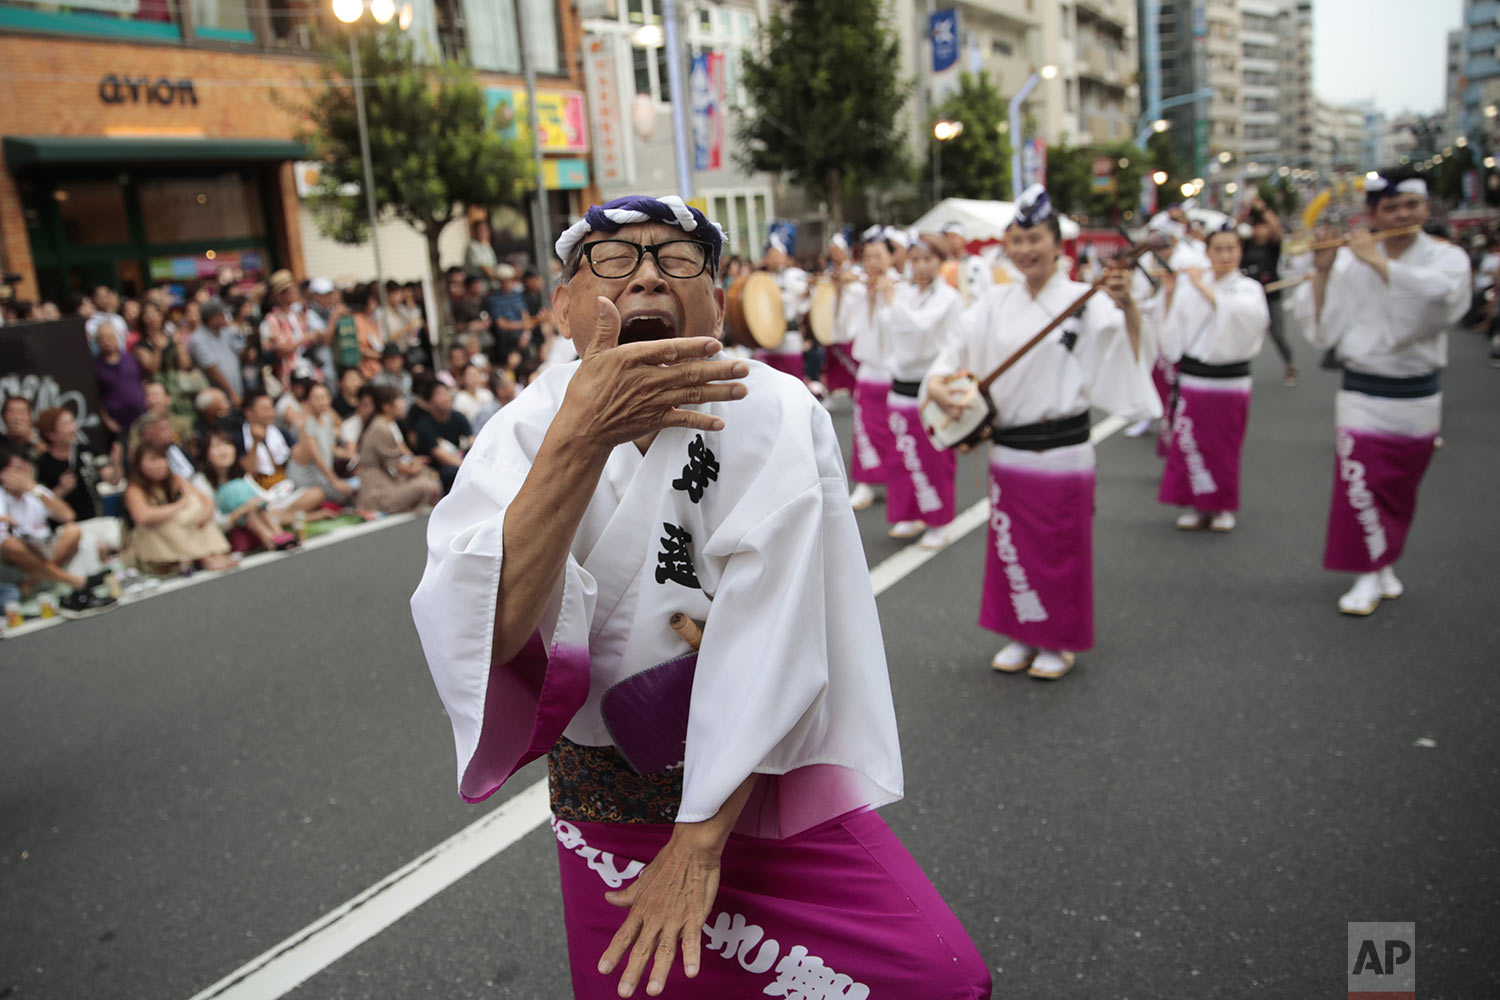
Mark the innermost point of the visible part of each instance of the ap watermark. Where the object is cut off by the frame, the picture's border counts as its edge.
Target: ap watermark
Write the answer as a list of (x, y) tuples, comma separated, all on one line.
[(1382, 961)]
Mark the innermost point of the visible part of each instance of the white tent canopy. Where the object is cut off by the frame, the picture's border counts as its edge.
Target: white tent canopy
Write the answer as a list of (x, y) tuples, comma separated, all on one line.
[(1206, 218), (982, 220)]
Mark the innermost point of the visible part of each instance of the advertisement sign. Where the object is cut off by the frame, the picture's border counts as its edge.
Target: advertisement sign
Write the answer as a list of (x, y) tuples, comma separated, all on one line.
[(943, 30), (559, 117), (706, 82), (604, 110), (1034, 169), (49, 364)]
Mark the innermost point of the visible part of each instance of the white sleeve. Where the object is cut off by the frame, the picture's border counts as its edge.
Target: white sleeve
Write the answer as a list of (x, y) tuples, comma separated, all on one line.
[(504, 715), (1245, 315), (1323, 332), (1443, 289), (1117, 380)]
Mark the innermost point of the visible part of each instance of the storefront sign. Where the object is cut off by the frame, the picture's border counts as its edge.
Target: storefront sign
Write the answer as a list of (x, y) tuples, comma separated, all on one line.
[(559, 117), (604, 108), (565, 175), (49, 364), (143, 90)]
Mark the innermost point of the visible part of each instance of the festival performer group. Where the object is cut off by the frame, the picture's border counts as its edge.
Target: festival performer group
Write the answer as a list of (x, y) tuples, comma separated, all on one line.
[(649, 572)]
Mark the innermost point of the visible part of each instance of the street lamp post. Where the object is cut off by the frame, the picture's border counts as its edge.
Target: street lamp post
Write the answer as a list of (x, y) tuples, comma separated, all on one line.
[(349, 12), (541, 228), (942, 132), (1152, 121), (1017, 135)]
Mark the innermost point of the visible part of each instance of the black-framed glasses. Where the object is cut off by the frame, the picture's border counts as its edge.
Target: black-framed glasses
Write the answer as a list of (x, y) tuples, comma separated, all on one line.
[(674, 258)]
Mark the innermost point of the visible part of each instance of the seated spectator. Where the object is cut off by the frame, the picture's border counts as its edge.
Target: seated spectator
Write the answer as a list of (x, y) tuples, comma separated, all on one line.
[(459, 358), (239, 502), (468, 312), (290, 404), (20, 432), (171, 521), (31, 553), (214, 414), (391, 479), (119, 377), (182, 381), (365, 305), (347, 400), (393, 371), (265, 454), (443, 434), (158, 404), (313, 454), (65, 465), (213, 349), (346, 451), (474, 394)]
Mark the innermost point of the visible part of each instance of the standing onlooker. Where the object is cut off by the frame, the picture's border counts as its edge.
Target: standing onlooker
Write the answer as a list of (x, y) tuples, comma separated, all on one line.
[(1262, 261), (321, 317), (212, 347), (119, 376), (479, 258), (64, 466), (183, 381), (282, 333), (105, 313), (151, 347), (391, 479), (372, 343), (443, 434)]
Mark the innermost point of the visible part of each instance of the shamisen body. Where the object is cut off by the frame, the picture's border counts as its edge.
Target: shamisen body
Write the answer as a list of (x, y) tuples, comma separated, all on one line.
[(715, 802), (1038, 583)]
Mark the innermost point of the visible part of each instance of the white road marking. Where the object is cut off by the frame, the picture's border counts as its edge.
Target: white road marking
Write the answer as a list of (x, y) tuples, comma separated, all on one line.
[(341, 930)]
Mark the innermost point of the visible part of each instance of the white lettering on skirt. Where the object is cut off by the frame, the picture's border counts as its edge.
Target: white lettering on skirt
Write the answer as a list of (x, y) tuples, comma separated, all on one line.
[(863, 446), (1026, 602), (798, 973), (1360, 498), (1200, 480), (906, 444)]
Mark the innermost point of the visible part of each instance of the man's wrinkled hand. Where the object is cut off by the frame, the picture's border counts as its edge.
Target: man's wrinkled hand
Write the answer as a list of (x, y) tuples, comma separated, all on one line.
[(624, 391), (669, 904)]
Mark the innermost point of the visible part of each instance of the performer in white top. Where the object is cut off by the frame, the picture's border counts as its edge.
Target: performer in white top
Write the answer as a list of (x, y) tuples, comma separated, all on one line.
[(1038, 582), (794, 283), (1181, 253), (873, 444), (839, 366), (1384, 306), (915, 321), (1213, 328), (899, 240), (719, 778), (975, 277)]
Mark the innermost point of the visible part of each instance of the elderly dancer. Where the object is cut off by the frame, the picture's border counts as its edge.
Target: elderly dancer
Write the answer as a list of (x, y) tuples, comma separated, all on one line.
[(712, 781), (1383, 305), (873, 444), (1038, 580), (915, 321), (1213, 328)]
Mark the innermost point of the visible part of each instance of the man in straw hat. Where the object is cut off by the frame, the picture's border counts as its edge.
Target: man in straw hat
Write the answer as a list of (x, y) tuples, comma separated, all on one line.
[(1384, 305), (717, 796)]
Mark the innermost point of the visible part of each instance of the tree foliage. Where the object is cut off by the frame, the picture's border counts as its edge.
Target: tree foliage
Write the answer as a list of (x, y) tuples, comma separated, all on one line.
[(826, 99), (1070, 179), (435, 146), (976, 164)]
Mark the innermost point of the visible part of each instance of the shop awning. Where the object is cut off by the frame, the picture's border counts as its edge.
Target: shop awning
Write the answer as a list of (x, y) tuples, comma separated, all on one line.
[(34, 151)]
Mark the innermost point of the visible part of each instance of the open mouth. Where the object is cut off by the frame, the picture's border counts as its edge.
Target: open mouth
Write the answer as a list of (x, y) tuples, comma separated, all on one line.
[(642, 327)]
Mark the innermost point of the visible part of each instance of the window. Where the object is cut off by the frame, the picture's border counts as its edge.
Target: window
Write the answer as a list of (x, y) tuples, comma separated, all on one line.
[(489, 35), (194, 209), (109, 18), (1001, 48), (92, 212)]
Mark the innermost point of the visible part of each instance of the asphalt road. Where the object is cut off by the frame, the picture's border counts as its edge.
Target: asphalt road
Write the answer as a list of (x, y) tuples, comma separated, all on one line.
[(1197, 811)]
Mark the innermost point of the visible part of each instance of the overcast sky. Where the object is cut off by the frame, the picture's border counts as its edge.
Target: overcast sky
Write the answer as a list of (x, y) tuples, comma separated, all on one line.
[(1394, 51)]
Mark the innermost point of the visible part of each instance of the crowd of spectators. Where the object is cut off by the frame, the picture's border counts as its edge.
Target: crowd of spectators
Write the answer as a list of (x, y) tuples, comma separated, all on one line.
[(233, 415)]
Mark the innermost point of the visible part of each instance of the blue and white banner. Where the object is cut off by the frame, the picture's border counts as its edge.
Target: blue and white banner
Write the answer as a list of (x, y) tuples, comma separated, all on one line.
[(943, 30)]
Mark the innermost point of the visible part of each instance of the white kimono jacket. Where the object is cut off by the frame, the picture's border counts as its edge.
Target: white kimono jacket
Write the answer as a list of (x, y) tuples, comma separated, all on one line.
[(1398, 329), (1231, 330), (1054, 380), (856, 325), (748, 530), (914, 325)]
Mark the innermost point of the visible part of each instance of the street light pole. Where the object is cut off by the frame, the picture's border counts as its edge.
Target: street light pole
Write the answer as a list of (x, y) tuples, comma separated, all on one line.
[(541, 228), (364, 152), (1017, 136), (677, 93), (1145, 124)]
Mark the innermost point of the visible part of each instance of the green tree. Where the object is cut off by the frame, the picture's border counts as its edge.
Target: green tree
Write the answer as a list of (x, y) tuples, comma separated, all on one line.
[(826, 99), (1282, 198), (976, 164), (435, 144), (1073, 187)]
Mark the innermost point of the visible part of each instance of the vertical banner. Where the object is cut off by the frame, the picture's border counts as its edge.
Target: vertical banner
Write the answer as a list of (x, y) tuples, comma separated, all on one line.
[(705, 83), (604, 110), (943, 30), (1034, 170), (1148, 197)]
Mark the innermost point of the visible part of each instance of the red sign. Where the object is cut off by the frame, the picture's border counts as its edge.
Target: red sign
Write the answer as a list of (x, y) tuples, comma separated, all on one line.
[(1103, 166)]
